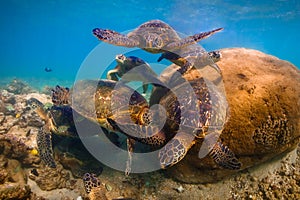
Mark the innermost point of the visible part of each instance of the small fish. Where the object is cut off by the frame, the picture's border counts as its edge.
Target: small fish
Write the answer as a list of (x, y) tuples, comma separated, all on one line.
[(47, 69)]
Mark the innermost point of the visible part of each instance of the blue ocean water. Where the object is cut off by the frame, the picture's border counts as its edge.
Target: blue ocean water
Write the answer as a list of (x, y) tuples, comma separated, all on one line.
[(58, 34)]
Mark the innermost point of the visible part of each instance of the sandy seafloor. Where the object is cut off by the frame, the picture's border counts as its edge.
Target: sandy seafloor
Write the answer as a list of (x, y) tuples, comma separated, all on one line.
[(275, 179)]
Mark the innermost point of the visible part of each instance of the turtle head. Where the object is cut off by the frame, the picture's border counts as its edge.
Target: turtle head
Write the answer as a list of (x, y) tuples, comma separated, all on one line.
[(120, 58), (129, 62), (215, 55)]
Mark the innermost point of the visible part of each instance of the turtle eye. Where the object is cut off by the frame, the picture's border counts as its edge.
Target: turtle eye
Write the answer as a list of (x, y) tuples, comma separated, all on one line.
[(120, 57)]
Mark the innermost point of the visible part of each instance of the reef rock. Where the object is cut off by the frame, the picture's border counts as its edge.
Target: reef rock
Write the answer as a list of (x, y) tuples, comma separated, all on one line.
[(12, 180), (51, 178), (263, 93), (17, 86)]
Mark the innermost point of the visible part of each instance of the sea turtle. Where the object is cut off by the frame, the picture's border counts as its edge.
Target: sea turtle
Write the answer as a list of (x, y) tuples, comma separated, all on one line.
[(154, 36), (192, 56), (211, 105), (59, 120), (125, 64), (170, 76), (196, 111), (92, 99)]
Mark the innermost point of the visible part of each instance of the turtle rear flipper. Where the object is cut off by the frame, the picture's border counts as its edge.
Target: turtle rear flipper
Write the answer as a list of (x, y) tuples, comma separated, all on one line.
[(60, 95), (112, 75), (175, 150), (145, 88), (224, 157), (191, 39), (115, 38)]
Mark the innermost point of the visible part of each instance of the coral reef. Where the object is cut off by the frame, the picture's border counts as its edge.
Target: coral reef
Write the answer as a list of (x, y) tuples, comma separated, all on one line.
[(52, 178), (17, 86), (263, 128), (13, 180)]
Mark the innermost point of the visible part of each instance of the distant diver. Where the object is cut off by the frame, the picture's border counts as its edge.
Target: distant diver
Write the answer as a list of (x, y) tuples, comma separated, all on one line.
[(47, 69)]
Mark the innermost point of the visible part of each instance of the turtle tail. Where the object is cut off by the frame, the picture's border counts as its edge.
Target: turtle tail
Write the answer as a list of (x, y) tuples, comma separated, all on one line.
[(60, 95)]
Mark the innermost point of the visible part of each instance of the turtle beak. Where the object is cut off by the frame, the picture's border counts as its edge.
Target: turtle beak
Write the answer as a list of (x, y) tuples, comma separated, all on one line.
[(120, 58)]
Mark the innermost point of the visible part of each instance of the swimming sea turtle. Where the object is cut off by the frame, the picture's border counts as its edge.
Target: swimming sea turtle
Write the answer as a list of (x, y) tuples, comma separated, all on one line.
[(154, 36), (125, 64), (59, 120), (92, 100), (170, 76), (192, 56)]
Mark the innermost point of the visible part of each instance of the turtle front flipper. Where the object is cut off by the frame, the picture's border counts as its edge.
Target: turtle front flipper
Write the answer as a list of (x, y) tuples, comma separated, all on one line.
[(60, 95), (191, 40), (224, 157), (150, 135), (44, 141), (90, 182), (145, 88), (115, 38), (175, 150), (112, 75), (93, 187), (44, 144), (178, 60)]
